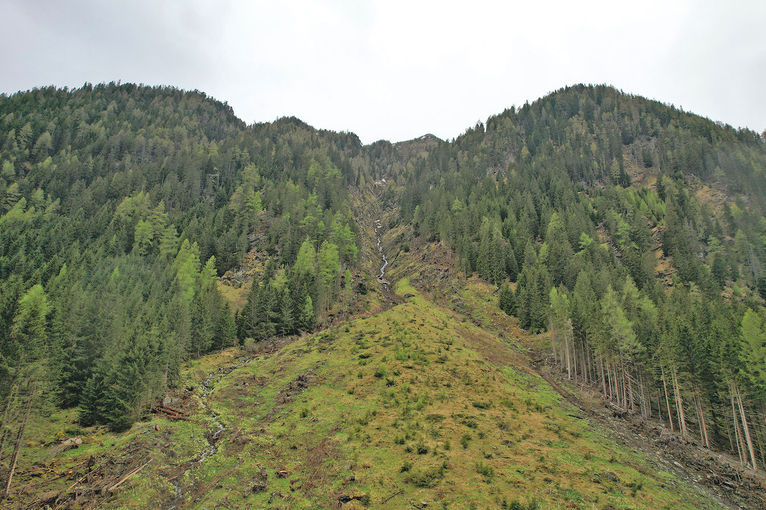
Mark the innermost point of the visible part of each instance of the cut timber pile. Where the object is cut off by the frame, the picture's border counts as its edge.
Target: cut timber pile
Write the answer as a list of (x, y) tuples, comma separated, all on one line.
[(172, 413)]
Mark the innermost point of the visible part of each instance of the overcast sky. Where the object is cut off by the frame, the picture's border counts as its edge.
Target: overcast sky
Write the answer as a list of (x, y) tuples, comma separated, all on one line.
[(396, 69)]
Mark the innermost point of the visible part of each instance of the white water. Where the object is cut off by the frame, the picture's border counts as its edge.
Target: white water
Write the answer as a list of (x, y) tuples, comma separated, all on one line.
[(220, 427), (378, 228)]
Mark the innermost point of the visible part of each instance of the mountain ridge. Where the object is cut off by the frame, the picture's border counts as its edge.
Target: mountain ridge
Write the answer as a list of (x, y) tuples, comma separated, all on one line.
[(608, 246)]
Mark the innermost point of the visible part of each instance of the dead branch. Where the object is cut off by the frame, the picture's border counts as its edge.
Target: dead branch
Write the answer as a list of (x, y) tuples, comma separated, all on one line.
[(127, 476), (392, 496)]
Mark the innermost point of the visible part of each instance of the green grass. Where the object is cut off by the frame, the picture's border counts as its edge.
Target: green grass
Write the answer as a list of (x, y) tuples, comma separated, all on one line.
[(413, 403)]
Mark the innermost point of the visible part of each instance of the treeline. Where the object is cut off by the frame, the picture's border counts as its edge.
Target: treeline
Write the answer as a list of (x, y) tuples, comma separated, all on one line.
[(120, 205), (651, 291)]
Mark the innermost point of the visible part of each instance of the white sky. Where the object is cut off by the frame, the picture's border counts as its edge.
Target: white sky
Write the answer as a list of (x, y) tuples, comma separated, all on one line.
[(396, 69)]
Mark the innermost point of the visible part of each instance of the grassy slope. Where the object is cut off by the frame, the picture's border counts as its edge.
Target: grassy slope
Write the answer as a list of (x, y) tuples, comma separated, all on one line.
[(416, 404)]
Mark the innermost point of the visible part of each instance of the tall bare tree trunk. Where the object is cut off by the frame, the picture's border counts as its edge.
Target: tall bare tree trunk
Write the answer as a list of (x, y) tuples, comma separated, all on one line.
[(730, 435), (624, 386), (612, 381), (746, 428), (553, 344), (679, 405), (659, 403), (620, 383), (699, 419), (703, 424), (648, 392), (735, 420), (574, 357), (667, 401), (603, 377), (16, 448)]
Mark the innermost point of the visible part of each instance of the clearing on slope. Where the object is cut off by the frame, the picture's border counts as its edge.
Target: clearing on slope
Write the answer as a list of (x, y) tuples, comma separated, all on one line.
[(415, 405)]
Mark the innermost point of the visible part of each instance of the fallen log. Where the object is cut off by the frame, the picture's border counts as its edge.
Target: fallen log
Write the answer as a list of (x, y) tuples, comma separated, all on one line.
[(127, 476), (392, 496), (235, 435), (171, 413), (175, 410), (77, 482), (171, 410)]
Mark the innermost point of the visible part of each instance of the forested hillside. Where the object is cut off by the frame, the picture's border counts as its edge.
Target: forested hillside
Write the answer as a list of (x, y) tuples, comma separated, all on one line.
[(634, 233), (120, 207), (630, 233)]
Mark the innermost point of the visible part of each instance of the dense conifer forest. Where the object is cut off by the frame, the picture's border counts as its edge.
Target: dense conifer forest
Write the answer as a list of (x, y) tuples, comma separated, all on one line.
[(632, 234), (121, 206), (577, 200)]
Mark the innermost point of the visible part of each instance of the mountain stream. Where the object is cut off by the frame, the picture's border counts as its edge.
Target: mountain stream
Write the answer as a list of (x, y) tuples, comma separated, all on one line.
[(381, 279)]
